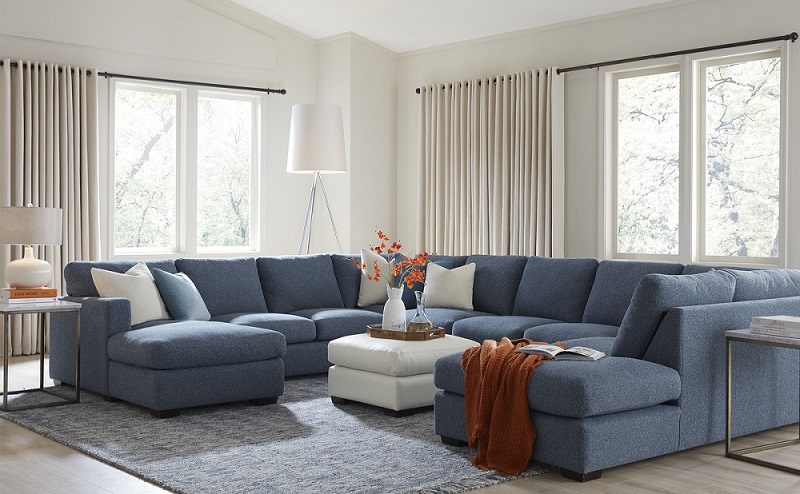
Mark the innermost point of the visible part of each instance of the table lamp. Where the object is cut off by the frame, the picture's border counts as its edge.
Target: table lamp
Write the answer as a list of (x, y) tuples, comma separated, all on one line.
[(316, 145), (28, 227)]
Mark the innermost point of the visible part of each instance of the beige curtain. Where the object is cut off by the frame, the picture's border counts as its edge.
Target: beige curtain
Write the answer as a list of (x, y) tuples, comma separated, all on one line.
[(492, 165), (49, 158)]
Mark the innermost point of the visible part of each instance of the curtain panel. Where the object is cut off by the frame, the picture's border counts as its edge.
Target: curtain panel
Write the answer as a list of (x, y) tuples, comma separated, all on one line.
[(49, 158), (492, 165)]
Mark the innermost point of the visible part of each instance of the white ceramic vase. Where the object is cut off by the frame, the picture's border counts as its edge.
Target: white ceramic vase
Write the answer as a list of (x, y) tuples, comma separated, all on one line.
[(394, 311)]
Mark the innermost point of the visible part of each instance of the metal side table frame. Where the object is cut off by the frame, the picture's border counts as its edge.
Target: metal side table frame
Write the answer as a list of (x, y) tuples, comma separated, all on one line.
[(744, 335), (43, 310)]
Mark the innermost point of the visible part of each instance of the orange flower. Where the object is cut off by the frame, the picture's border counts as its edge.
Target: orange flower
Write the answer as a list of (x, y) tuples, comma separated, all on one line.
[(405, 270)]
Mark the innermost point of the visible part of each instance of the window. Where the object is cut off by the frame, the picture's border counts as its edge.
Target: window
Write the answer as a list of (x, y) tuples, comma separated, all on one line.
[(185, 170), (694, 159)]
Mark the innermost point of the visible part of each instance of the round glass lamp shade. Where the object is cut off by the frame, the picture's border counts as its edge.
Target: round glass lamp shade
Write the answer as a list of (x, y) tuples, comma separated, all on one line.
[(29, 226)]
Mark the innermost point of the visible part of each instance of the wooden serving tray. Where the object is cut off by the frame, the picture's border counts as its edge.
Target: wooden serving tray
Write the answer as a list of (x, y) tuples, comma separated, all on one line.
[(376, 331)]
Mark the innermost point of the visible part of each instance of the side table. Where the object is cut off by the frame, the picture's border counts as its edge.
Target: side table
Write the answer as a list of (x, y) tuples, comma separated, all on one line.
[(43, 309), (746, 336)]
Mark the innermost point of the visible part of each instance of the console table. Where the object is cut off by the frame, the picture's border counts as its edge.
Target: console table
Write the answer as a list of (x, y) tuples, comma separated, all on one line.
[(745, 336), (43, 309)]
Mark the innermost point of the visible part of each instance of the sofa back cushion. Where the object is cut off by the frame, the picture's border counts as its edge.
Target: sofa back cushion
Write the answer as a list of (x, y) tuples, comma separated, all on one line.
[(614, 285), (765, 283), (348, 277), (293, 283), (555, 288), (78, 274), (656, 294), (496, 282), (228, 286)]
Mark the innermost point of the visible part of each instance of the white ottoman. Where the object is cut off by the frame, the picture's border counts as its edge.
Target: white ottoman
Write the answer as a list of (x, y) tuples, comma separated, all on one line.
[(393, 374)]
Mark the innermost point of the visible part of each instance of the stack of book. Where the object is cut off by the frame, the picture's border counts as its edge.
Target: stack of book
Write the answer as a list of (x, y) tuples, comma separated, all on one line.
[(9, 296), (787, 326)]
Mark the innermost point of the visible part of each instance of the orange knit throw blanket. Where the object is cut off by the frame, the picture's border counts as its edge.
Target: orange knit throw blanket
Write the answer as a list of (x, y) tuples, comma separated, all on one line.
[(496, 401)]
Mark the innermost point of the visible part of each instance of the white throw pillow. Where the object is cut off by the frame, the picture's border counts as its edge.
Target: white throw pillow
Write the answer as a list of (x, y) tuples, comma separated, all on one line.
[(449, 288), (136, 285), (371, 292)]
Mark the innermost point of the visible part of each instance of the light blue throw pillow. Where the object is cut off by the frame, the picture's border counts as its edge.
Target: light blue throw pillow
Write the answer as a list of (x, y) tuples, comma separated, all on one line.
[(181, 297)]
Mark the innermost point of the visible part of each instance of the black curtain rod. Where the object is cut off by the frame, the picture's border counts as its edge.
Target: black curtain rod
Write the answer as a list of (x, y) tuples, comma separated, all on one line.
[(192, 83), (786, 37), (25, 66)]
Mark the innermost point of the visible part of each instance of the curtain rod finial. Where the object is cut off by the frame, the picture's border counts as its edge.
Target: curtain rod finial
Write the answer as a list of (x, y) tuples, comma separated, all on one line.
[(793, 36)]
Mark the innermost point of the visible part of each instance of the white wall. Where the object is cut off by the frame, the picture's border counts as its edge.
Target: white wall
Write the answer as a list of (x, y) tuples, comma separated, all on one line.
[(653, 30)]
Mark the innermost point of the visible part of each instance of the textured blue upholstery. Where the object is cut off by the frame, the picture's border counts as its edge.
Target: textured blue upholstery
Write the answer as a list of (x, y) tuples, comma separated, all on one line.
[(496, 282), (295, 329), (446, 318), (348, 276), (561, 331), (614, 285), (335, 323), (302, 359), (186, 344), (481, 328), (555, 288), (315, 283), (78, 274), (766, 283), (180, 296), (657, 293), (227, 285)]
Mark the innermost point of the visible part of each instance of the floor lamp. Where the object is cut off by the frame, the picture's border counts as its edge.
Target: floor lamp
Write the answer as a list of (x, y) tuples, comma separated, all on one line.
[(316, 145)]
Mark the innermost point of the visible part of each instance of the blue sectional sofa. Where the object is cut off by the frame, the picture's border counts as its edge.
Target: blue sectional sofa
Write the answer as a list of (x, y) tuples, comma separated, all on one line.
[(661, 389)]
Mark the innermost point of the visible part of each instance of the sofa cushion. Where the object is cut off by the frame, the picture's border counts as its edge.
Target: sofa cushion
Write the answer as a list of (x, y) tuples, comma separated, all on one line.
[(373, 291), (656, 294), (495, 327), (227, 285), (187, 344), (181, 297), (561, 331), (613, 288), (295, 329), (765, 283), (348, 277), (448, 262), (496, 282), (136, 285), (335, 323), (615, 384), (445, 318), (78, 274), (293, 283), (555, 288), (449, 288)]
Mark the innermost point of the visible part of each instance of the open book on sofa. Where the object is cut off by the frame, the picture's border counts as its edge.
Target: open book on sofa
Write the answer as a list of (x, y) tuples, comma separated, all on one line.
[(553, 352)]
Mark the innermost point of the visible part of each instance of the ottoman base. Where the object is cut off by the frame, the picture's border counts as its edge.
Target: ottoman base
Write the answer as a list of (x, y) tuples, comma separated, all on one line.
[(391, 392)]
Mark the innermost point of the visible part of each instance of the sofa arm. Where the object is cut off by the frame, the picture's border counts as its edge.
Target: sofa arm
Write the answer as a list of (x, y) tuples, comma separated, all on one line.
[(101, 318), (691, 340)]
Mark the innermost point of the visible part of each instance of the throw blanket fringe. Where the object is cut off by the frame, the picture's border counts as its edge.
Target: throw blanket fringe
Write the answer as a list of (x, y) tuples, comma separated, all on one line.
[(496, 400)]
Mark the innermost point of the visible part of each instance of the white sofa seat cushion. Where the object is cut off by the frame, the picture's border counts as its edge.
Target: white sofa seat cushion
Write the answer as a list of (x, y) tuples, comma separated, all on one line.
[(393, 357)]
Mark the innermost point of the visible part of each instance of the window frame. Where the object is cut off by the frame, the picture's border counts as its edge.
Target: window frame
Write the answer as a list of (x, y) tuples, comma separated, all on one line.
[(692, 162), (186, 175)]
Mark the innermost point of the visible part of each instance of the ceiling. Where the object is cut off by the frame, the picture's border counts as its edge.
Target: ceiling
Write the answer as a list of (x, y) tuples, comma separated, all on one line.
[(407, 25)]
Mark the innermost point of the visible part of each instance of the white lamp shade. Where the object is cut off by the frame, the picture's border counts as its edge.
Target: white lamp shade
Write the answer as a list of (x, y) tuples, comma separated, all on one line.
[(30, 226), (316, 139)]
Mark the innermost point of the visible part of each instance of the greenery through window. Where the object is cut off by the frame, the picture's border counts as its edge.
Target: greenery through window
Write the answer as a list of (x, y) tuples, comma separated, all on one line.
[(715, 194), (185, 165)]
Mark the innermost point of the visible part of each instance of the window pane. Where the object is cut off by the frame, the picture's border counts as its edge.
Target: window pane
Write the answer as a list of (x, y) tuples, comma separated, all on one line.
[(647, 164), (144, 166), (223, 172), (742, 158)]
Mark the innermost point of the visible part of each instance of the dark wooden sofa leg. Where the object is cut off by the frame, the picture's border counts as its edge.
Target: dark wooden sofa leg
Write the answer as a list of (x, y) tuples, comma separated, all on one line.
[(271, 400), (165, 414), (339, 401), (450, 441), (581, 477), (110, 399)]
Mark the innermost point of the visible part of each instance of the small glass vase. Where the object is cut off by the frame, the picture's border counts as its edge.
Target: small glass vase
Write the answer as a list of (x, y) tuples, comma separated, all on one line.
[(420, 321)]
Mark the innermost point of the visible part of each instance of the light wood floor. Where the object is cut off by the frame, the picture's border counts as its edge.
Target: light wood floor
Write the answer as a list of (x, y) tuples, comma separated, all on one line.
[(30, 463)]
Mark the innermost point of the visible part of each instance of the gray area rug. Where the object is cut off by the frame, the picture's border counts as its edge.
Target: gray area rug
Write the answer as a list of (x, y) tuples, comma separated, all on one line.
[(303, 444)]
